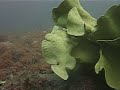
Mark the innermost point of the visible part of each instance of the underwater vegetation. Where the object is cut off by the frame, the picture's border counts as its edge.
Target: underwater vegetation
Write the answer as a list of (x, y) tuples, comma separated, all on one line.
[(79, 37), (22, 67)]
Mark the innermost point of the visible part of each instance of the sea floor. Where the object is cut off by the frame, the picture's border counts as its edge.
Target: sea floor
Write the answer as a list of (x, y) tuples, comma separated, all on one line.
[(23, 67)]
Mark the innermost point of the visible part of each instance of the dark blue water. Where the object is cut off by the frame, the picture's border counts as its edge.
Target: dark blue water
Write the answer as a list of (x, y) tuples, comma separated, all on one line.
[(18, 16)]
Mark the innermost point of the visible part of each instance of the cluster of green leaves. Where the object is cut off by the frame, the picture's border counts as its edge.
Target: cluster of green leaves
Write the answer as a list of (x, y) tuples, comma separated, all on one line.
[(78, 36)]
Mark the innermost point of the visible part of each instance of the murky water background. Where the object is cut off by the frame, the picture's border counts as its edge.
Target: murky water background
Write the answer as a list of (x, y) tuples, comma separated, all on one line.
[(19, 16)]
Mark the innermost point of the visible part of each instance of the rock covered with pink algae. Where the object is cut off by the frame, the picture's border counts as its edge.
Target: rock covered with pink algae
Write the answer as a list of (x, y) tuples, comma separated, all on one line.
[(23, 67)]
